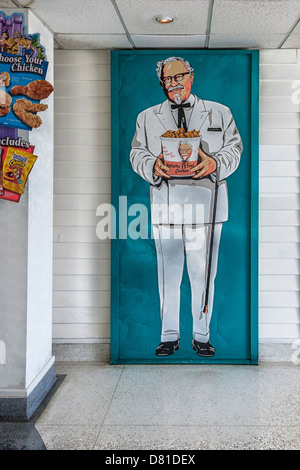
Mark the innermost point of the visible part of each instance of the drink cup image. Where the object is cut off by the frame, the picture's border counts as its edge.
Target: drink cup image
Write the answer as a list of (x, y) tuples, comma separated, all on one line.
[(180, 155)]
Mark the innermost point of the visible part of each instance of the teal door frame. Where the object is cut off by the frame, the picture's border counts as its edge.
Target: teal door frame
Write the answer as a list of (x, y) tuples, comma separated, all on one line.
[(254, 191)]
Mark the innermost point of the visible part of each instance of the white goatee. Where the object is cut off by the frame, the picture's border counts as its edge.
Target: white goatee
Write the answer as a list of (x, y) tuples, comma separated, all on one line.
[(177, 98)]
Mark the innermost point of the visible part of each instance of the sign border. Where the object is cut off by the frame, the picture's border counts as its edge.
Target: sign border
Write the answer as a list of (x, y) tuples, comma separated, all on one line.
[(254, 194)]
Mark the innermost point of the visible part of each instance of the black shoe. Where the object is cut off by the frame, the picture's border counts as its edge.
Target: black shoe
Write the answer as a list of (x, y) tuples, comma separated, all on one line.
[(203, 349), (167, 348)]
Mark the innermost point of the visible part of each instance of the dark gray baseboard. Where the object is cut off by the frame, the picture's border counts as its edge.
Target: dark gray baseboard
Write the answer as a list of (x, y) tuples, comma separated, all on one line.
[(22, 409)]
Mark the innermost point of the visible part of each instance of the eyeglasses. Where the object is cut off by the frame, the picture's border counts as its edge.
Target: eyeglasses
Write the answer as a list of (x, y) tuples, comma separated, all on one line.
[(178, 78)]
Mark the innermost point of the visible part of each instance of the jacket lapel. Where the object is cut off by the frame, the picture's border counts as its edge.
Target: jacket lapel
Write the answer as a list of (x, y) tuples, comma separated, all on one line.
[(199, 115), (165, 117)]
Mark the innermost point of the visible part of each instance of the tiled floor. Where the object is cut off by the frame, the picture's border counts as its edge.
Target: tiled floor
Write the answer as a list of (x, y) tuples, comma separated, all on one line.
[(182, 407)]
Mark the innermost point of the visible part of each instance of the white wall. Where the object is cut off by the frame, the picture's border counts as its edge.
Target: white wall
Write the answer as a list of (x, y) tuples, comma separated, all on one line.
[(279, 196), (82, 182)]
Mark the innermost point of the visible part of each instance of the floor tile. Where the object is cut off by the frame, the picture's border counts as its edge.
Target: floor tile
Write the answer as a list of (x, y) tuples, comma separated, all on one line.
[(198, 438), (173, 407), (68, 437), (84, 396), (206, 396)]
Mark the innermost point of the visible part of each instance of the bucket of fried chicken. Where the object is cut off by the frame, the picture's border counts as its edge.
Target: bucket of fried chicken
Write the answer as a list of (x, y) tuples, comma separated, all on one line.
[(180, 151)]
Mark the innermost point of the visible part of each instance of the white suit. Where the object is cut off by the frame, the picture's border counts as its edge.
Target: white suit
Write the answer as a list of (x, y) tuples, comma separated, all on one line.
[(219, 139)]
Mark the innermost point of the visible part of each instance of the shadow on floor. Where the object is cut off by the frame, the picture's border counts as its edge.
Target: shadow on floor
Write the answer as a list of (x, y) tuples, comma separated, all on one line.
[(22, 435)]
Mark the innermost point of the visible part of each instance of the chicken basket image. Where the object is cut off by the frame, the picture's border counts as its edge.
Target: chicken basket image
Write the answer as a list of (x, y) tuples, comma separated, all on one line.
[(180, 153)]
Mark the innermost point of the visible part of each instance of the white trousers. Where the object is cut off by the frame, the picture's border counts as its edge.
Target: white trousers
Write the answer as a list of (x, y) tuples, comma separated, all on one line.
[(173, 245)]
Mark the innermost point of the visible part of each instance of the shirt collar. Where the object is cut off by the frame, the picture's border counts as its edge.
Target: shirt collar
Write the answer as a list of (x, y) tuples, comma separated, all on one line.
[(190, 100)]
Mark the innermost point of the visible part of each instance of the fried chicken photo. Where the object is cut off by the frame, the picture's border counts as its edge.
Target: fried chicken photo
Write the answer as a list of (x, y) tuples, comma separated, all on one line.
[(25, 110), (36, 90), (4, 79)]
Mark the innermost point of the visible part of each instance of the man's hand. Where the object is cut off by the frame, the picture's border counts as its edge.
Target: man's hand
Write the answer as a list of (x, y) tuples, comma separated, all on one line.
[(207, 166), (159, 167)]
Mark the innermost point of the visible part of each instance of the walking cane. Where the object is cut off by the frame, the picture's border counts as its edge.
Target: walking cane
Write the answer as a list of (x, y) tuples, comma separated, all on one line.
[(212, 233)]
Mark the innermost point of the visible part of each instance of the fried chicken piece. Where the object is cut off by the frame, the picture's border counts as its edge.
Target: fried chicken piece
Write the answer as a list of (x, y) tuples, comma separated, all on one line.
[(36, 90), (25, 110), (4, 79)]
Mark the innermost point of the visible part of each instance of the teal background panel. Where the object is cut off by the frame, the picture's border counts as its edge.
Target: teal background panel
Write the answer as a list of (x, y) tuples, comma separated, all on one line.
[(230, 78)]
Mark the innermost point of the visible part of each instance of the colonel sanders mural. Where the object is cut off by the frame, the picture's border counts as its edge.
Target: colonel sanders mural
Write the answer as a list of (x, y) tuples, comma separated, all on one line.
[(186, 148)]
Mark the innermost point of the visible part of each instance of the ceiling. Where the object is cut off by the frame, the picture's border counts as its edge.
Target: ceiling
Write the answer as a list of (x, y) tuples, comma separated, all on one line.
[(130, 24)]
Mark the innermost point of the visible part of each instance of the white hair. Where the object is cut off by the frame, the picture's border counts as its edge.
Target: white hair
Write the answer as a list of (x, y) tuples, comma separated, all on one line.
[(161, 63)]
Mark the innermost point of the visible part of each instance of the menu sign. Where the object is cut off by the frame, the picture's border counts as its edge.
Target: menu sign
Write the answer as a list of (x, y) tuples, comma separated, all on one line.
[(23, 70)]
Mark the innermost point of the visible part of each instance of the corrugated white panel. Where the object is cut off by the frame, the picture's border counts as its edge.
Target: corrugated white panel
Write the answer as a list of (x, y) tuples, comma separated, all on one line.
[(279, 315), (278, 56), (96, 153), (278, 104), (81, 201), (279, 120), (81, 299), (279, 250), (279, 331), (279, 266), (81, 185), (81, 282), (75, 234), (75, 218), (80, 121), (279, 234), (279, 281), (279, 168), (82, 182), (279, 136), (68, 315), (82, 105), (279, 218), (279, 299), (86, 137), (80, 266), (86, 169), (280, 185), (78, 283), (82, 58), (279, 152), (80, 89), (71, 72), (81, 250), (282, 202), (277, 72), (276, 87)]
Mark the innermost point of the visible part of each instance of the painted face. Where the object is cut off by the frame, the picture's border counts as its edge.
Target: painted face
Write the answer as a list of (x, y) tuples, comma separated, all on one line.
[(185, 151), (177, 82)]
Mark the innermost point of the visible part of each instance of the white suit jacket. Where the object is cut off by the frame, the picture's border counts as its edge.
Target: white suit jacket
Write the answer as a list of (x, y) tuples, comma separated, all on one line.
[(219, 139)]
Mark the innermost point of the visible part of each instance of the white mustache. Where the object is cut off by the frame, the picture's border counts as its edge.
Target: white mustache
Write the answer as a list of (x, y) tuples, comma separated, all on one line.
[(177, 87)]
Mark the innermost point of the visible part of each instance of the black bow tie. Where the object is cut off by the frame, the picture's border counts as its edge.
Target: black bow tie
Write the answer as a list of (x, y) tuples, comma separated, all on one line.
[(181, 116), (182, 105)]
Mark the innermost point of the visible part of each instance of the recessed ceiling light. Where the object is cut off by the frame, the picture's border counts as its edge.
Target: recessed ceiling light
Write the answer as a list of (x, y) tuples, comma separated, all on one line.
[(164, 19)]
